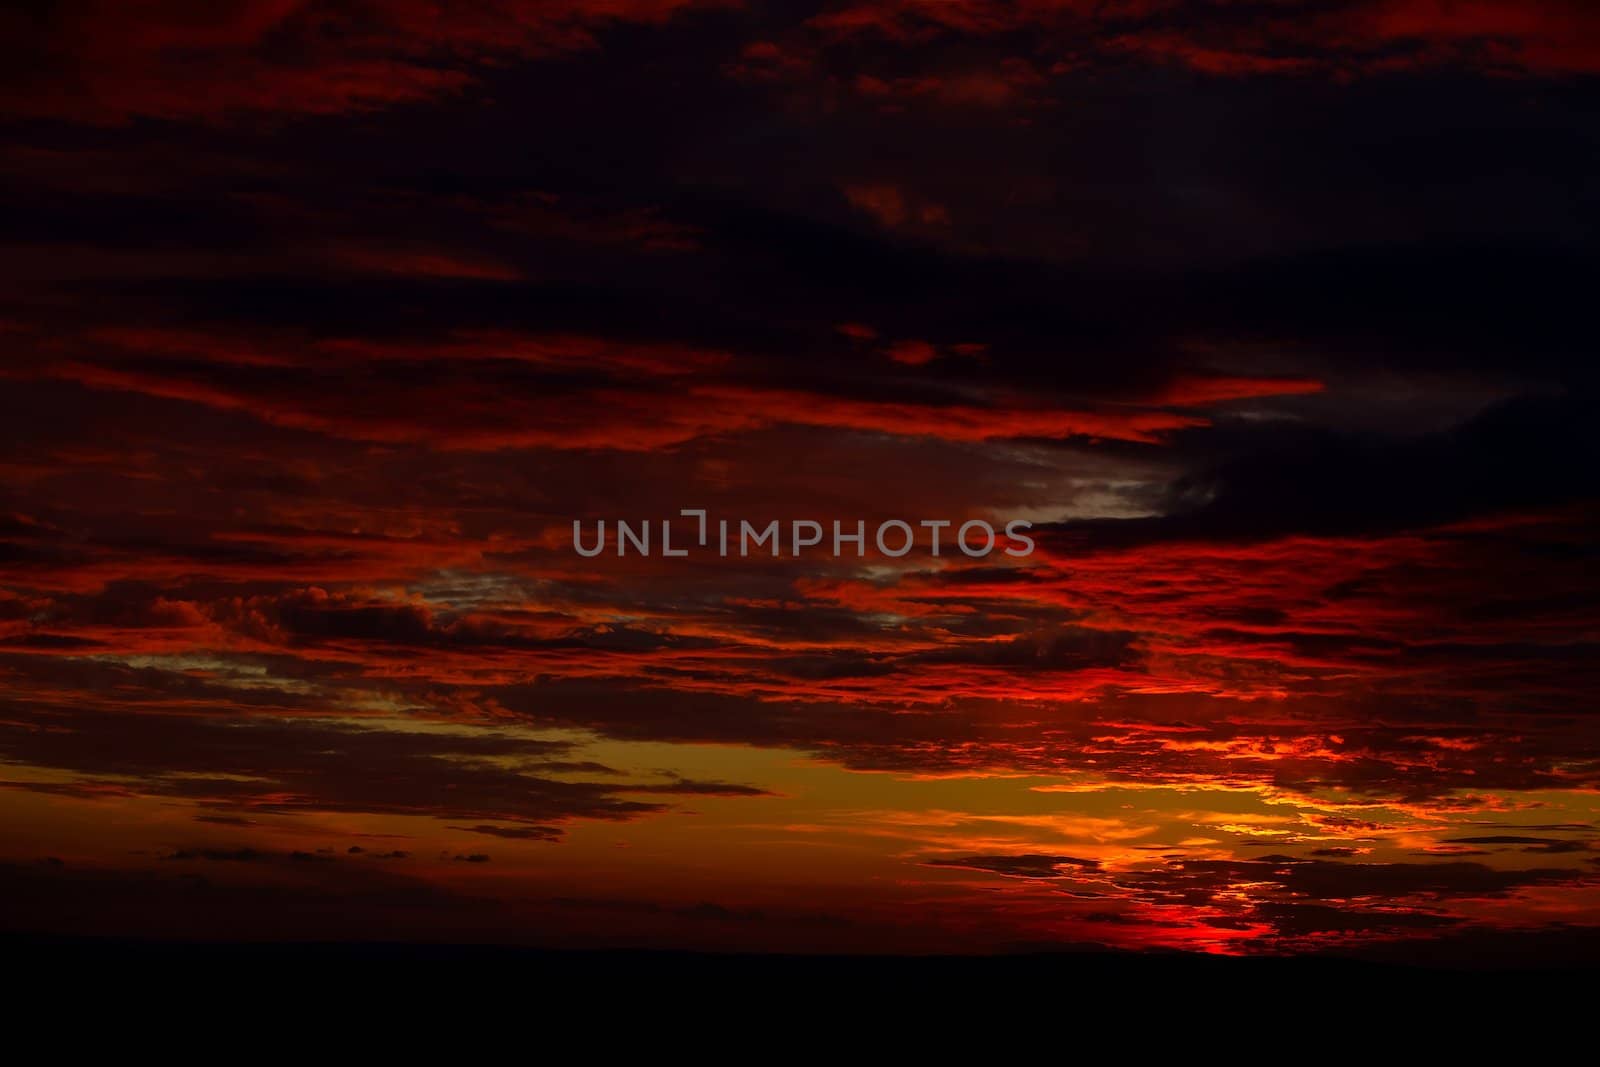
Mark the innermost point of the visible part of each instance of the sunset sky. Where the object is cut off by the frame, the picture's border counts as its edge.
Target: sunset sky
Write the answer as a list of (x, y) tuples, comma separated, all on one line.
[(323, 322)]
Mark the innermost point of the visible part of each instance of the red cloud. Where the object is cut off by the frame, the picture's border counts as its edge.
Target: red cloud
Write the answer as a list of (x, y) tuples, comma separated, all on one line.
[(107, 62), (1297, 37), (648, 396), (894, 208)]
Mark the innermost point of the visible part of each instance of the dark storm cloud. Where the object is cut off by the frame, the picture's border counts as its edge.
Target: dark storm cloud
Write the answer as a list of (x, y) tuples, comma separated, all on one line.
[(516, 833), (217, 855), (1532, 453)]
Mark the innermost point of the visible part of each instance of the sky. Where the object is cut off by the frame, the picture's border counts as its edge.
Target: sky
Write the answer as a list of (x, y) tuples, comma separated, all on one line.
[(323, 323)]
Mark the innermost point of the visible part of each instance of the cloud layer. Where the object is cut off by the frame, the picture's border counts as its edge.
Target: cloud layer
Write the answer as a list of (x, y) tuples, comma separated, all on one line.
[(324, 322)]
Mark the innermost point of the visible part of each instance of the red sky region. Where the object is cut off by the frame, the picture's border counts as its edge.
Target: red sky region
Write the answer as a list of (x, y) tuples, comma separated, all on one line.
[(324, 322)]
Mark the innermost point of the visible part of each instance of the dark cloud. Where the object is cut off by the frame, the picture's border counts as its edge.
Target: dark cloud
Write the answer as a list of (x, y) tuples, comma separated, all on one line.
[(516, 833), (261, 765), (219, 855), (1531, 844), (1529, 454)]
